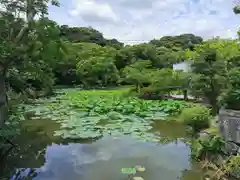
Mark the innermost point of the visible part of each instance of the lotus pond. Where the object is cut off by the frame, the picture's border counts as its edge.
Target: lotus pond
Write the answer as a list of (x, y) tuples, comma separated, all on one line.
[(94, 134)]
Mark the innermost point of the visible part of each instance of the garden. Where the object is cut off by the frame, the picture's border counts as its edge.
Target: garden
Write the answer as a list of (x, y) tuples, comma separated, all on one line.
[(72, 97)]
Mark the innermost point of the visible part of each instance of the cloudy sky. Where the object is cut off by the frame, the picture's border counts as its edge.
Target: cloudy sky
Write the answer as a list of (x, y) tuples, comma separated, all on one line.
[(133, 21)]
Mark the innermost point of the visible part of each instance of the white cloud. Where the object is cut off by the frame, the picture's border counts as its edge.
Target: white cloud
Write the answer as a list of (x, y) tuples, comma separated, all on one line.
[(145, 19), (137, 4), (2, 7), (92, 11)]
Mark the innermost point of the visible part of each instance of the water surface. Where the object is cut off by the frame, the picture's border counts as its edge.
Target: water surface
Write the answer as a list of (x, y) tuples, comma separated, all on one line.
[(50, 158)]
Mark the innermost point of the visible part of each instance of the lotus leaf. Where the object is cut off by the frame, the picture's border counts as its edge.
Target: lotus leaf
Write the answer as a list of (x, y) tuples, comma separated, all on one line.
[(91, 114)]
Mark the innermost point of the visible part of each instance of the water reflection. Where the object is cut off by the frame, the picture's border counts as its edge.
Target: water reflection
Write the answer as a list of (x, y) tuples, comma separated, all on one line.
[(44, 157), (104, 159)]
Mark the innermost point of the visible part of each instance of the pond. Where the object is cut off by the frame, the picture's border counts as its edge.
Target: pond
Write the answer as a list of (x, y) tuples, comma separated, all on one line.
[(55, 148)]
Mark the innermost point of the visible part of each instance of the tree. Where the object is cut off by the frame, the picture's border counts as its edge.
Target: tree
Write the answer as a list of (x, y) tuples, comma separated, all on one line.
[(181, 80), (87, 34), (114, 43), (130, 54), (163, 78), (230, 98), (82, 34), (183, 41), (209, 75), (18, 39), (124, 57), (138, 73), (236, 8), (65, 70), (96, 64), (167, 57)]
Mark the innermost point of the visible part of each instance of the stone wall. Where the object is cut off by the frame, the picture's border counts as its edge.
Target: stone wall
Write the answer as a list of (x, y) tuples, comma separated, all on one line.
[(229, 124)]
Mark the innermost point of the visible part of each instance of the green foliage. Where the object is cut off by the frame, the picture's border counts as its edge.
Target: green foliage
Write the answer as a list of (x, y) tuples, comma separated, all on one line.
[(131, 54), (182, 41), (105, 101), (230, 99), (236, 9), (225, 48), (166, 80), (207, 147), (197, 117), (233, 166), (11, 128), (35, 63), (151, 92), (138, 73), (163, 78), (181, 79), (208, 74), (94, 113), (89, 35), (82, 34), (96, 64), (28, 54)]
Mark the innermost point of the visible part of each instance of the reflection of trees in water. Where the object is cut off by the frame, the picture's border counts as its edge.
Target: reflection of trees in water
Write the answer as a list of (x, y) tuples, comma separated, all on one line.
[(173, 130), (32, 146), (29, 151), (195, 173), (30, 155), (24, 174), (191, 174)]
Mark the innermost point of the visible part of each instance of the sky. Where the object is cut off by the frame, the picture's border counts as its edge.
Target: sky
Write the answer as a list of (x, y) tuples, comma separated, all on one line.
[(136, 21)]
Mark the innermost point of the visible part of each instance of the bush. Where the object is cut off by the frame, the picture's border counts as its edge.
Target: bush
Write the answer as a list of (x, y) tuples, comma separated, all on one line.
[(207, 147), (197, 117), (233, 166), (151, 93), (149, 90), (230, 99)]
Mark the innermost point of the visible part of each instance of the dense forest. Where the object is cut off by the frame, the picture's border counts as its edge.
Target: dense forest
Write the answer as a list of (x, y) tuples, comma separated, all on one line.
[(87, 58), (37, 55)]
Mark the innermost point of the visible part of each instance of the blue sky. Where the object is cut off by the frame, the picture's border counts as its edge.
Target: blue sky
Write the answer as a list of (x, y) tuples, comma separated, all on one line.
[(144, 20)]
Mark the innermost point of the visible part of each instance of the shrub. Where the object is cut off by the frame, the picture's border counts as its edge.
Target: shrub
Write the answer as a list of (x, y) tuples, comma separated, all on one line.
[(151, 92), (207, 147), (230, 99), (233, 166), (197, 117)]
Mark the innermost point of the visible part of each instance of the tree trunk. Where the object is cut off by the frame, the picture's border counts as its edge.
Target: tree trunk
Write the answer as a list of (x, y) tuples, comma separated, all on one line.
[(185, 95), (214, 105), (3, 100)]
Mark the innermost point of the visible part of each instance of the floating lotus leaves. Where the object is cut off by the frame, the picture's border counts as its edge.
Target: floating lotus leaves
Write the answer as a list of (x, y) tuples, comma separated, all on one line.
[(140, 168), (88, 114)]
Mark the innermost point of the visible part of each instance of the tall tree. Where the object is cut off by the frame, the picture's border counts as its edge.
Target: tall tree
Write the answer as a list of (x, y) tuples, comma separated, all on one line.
[(17, 39), (138, 73), (96, 64), (209, 75)]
